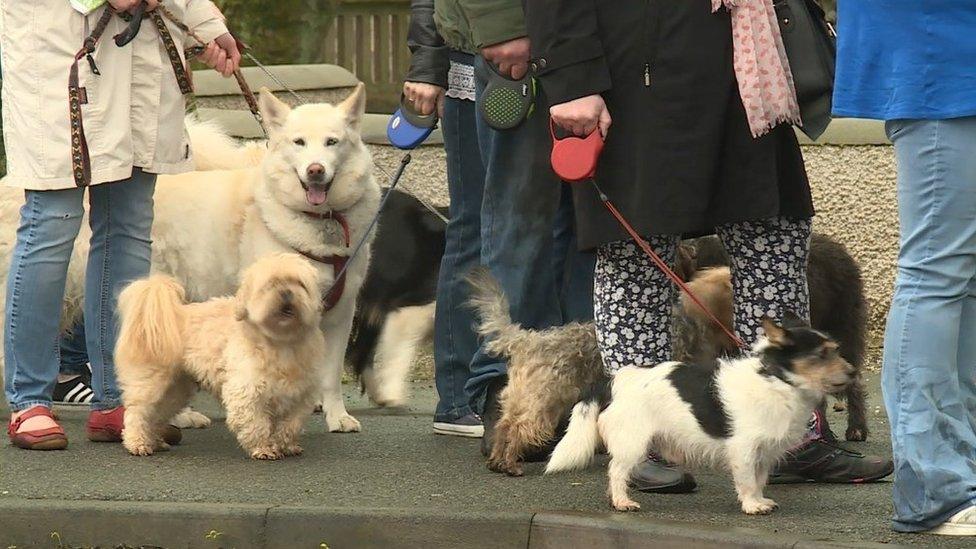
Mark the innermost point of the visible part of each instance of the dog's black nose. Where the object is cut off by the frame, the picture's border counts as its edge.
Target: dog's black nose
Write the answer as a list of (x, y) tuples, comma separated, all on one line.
[(315, 172), (287, 296)]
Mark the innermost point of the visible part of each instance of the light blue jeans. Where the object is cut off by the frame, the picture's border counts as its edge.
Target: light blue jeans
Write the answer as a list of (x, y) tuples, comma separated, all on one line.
[(929, 372), (121, 216)]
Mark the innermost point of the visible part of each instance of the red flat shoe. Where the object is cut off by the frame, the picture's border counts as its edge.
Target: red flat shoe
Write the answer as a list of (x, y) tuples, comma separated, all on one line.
[(52, 438), (107, 427)]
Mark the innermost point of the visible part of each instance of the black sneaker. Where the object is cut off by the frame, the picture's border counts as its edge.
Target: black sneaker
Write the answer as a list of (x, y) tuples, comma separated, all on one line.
[(76, 391), (468, 426), (659, 476), (821, 460)]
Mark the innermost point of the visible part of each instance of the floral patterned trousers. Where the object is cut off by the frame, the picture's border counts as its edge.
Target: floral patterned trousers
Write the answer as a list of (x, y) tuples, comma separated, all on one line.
[(633, 300)]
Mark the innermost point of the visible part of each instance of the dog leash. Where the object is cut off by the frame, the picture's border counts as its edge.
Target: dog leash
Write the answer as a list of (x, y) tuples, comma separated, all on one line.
[(339, 282), (78, 95), (249, 98), (663, 266), (574, 160)]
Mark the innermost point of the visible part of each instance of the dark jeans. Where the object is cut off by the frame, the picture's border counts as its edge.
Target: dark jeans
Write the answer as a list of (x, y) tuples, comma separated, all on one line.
[(521, 204)]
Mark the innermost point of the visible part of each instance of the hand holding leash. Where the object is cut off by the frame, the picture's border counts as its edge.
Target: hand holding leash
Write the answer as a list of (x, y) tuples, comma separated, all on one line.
[(583, 116)]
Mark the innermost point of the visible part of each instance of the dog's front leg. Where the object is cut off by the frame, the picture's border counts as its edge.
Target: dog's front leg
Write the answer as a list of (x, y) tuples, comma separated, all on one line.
[(288, 430), (250, 423), (337, 419), (750, 473)]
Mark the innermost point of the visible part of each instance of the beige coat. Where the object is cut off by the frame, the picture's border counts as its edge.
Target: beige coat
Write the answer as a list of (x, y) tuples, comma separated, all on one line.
[(134, 116)]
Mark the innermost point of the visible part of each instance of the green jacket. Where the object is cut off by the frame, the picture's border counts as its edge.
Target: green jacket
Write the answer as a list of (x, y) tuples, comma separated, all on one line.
[(469, 25)]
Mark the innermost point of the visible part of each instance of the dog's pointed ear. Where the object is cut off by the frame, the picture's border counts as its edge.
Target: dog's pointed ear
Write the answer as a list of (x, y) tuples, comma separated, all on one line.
[(273, 110), (775, 333), (791, 320), (355, 106)]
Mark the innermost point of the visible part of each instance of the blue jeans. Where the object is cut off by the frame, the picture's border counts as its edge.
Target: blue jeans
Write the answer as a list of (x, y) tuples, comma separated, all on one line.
[(121, 217), (455, 341), (520, 206), (929, 373)]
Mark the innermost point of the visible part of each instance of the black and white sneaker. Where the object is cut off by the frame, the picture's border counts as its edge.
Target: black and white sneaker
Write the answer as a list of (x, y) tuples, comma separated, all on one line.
[(467, 426), (76, 391)]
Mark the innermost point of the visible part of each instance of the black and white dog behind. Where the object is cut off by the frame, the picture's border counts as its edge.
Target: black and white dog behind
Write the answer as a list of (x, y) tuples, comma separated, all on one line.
[(396, 305), (741, 415)]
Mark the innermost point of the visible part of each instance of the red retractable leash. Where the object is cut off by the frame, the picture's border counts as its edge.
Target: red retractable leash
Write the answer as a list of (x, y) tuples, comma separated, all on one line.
[(574, 159)]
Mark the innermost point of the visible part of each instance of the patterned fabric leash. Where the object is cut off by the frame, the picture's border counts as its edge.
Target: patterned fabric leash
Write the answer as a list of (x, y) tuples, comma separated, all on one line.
[(78, 96), (252, 102)]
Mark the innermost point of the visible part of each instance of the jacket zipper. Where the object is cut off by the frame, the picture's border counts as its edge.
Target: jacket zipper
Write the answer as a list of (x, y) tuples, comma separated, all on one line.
[(647, 44)]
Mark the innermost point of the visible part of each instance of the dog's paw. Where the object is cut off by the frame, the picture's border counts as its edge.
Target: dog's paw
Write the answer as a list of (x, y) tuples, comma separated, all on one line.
[(345, 424), (190, 419), (269, 453), (761, 506), (139, 449), (856, 434), (626, 505), (292, 450), (388, 402)]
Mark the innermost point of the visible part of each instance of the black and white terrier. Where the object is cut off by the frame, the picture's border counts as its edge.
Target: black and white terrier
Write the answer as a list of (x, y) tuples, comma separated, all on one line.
[(741, 414)]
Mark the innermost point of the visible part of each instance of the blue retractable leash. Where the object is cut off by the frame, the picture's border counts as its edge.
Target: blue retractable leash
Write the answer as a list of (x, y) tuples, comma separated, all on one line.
[(406, 131)]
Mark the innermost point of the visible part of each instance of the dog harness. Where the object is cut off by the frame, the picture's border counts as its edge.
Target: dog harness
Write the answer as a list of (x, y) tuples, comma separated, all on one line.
[(78, 96), (338, 262)]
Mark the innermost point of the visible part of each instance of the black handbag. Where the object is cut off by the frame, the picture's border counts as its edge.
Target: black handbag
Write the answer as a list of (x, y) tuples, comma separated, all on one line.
[(811, 46)]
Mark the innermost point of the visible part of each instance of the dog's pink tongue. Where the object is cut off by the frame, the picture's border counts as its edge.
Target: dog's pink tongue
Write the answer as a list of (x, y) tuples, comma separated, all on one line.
[(315, 196)]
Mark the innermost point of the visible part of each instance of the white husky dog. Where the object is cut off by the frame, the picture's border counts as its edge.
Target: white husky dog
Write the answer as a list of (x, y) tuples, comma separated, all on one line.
[(313, 193)]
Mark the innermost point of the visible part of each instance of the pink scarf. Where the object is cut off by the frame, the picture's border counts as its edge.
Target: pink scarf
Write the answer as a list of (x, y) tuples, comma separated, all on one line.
[(761, 66)]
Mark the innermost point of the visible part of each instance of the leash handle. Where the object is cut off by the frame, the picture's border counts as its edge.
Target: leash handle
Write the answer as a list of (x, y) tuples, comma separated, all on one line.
[(132, 29), (663, 266)]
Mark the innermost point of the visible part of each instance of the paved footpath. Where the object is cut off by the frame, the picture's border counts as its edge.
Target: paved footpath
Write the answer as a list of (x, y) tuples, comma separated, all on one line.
[(396, 484)]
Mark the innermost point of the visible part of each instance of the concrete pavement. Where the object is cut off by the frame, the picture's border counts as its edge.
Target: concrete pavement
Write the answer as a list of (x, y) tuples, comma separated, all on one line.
[(395, 484)]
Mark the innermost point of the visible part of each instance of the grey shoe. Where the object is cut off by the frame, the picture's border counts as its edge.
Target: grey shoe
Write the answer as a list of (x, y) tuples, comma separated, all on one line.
[(655, 475)]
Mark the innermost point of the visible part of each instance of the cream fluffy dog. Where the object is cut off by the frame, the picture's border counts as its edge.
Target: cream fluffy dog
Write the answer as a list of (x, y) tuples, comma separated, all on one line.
[(257, 352)]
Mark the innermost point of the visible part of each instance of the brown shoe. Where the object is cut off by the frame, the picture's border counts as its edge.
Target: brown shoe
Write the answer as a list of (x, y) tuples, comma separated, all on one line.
[(52, 438)]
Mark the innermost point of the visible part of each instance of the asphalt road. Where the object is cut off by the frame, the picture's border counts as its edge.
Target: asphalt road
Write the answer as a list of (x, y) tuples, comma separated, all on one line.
[(397, 463)]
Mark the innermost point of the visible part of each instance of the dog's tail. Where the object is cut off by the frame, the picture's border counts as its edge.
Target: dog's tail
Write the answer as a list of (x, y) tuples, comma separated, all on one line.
[(575, 450), (577, 447), (151, 313), (214, 149), (489, 301)]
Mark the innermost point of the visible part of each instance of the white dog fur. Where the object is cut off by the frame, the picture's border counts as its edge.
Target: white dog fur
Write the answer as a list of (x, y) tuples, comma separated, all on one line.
[(764, 404)]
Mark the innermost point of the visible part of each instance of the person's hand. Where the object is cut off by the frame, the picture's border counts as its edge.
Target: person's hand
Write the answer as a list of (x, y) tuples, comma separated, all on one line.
[(582, 116), (130, 5), (222, 55), (511, 58), (425, 97)]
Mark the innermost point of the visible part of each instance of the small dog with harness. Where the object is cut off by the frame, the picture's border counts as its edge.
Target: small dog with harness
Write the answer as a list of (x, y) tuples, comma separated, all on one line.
[(741, 414)]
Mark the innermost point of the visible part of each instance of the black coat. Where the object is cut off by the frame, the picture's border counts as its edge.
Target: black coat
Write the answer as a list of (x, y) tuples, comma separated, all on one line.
[(429, 55), (679, 157)]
